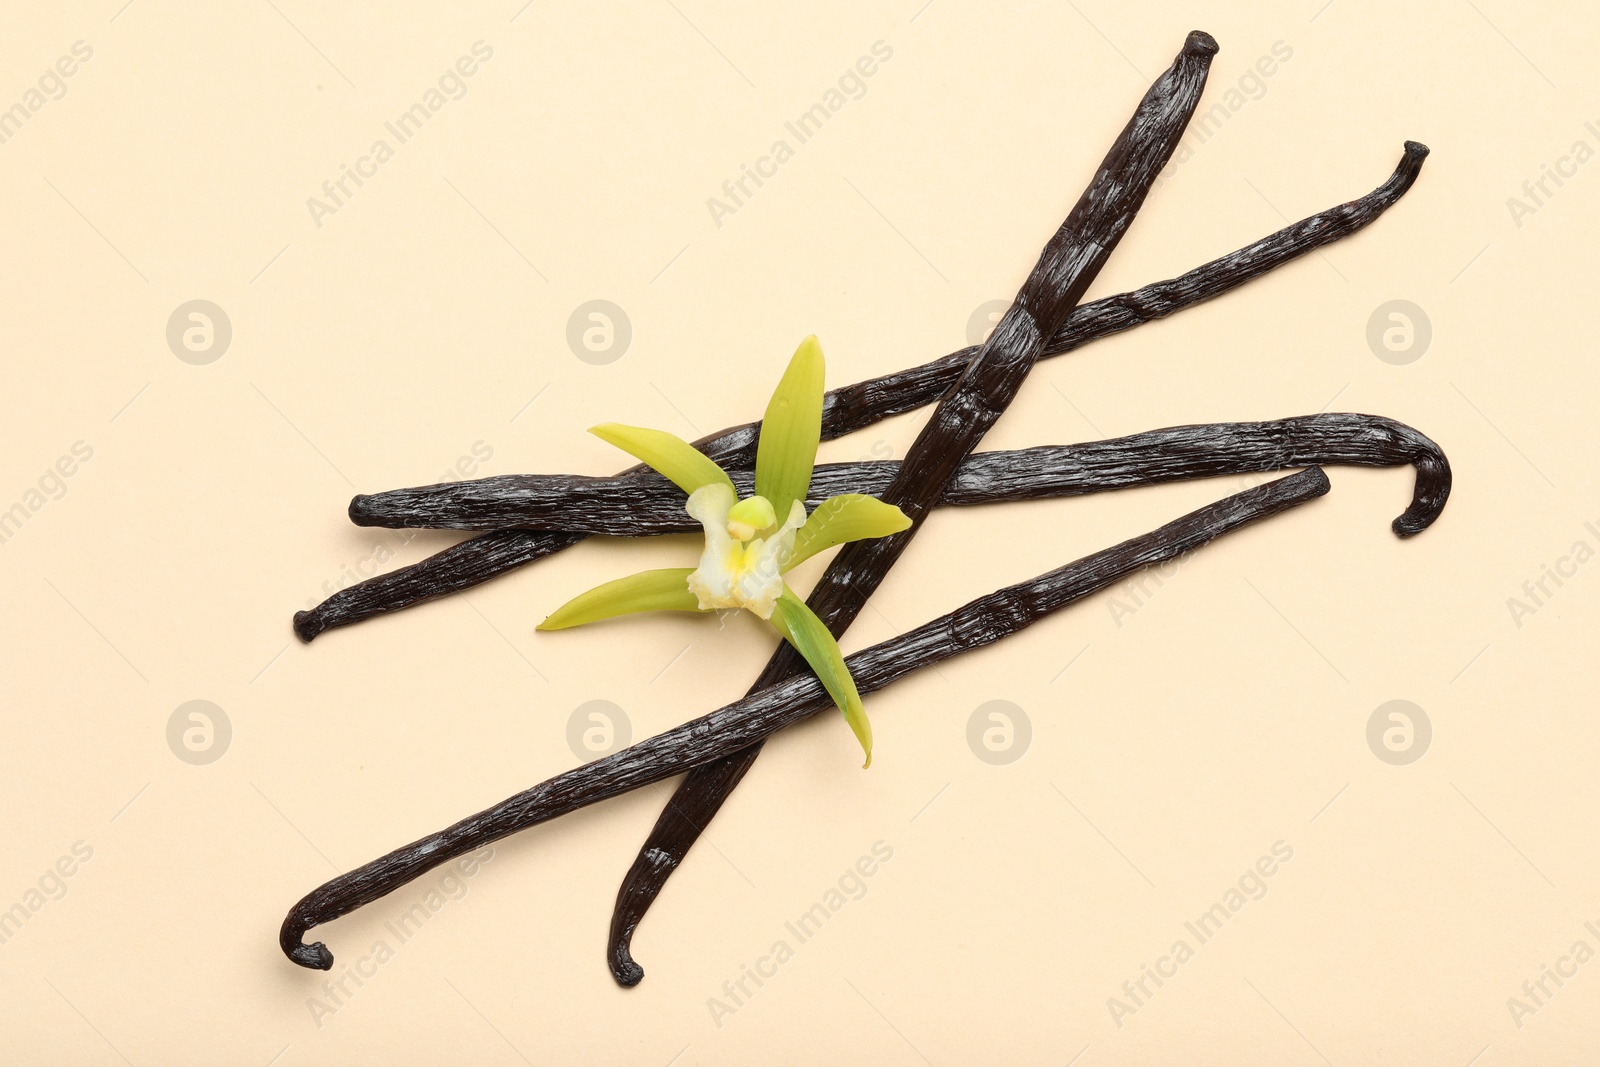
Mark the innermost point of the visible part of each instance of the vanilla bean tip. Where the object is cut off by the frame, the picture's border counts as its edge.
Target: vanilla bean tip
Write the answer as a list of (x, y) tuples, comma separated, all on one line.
[(1407, 525), (1315, 481), (360, 510), (307, 625), (1427, 501), (1200, 43), (1411, 163), (314, 956), (623, 968)]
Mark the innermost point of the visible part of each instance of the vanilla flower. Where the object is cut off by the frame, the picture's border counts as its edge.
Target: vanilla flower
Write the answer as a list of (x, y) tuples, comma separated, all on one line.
[(752, 543)]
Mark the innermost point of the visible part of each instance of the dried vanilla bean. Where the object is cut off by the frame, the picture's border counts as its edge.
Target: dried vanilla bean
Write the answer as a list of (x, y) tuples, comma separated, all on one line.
[(646, 504), (1071, 260), (747, 721), (854, 407)]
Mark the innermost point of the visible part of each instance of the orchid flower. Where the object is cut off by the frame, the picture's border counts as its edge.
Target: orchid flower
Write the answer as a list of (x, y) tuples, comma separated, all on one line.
[(751, 543)]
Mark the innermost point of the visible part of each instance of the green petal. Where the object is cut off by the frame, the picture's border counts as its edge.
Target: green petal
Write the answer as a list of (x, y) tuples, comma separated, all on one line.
[(790, 430), (674, 458), (800, 626), (848, 517), (663, 590)]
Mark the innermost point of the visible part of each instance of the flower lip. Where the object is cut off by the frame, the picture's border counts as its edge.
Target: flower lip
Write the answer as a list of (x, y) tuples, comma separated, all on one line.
[(735, 572)]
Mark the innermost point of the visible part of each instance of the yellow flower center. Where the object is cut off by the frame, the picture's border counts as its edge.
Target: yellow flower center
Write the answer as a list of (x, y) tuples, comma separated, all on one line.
[(749, 516), (737, 568)]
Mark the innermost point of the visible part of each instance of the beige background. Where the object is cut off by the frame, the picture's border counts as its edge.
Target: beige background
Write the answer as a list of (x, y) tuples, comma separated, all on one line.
[(427, 316)]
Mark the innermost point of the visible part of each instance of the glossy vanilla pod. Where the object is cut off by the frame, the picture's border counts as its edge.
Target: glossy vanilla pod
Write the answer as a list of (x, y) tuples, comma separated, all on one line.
[(646, 504), (746, 722), (855, 407), (1067, 266)]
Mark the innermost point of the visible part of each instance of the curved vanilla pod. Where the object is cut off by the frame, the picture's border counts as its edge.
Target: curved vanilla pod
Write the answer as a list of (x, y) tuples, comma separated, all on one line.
[(1067, 266), (854, 407), (646, 504), (747, 721)]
